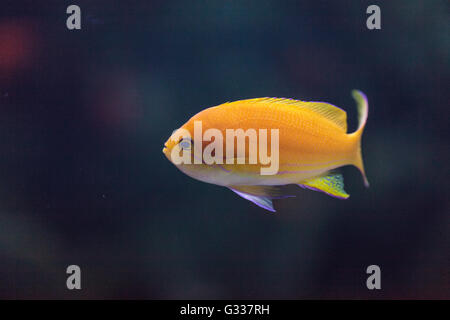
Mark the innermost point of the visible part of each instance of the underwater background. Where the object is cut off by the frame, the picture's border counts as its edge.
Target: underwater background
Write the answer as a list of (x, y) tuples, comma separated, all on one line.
[(84, 115)]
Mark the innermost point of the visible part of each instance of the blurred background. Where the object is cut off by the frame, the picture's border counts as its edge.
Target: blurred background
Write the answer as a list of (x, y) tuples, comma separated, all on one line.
[(84, 115)]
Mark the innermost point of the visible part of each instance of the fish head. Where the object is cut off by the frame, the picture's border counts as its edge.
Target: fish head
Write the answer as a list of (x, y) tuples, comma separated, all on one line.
[(181, 151), (180, 140)]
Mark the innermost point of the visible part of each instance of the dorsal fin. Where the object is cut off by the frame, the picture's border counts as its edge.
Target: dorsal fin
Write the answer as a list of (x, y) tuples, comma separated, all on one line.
[(328, 111)]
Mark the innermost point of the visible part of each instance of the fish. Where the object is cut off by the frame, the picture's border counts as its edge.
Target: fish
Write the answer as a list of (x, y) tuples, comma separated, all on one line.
[(310, 138)]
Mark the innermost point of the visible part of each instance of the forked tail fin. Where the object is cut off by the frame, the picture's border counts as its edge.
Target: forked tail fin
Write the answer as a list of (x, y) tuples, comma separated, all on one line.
[(363, 111)]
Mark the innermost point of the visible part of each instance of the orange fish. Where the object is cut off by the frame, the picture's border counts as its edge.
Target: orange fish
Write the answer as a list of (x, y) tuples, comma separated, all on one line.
[(307, 142)]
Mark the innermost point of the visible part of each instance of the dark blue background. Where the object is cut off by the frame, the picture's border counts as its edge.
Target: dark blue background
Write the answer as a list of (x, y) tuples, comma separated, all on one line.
[(84, 115)]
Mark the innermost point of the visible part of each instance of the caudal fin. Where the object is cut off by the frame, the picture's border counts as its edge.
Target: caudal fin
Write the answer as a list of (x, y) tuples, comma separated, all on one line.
[(363, 112)]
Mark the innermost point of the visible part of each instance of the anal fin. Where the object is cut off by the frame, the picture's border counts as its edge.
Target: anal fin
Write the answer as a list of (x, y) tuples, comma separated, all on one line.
[(331, 184)]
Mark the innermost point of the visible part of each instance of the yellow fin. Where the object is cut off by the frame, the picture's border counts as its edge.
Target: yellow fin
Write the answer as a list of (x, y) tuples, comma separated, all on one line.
[(328, 111), (332, 184), (363, 112)]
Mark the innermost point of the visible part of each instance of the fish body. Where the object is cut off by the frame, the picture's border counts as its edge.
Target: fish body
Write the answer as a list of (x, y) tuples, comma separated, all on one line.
[(312, 141)]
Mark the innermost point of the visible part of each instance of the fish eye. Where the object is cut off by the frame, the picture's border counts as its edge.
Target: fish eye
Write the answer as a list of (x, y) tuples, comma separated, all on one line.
[(185, 143)]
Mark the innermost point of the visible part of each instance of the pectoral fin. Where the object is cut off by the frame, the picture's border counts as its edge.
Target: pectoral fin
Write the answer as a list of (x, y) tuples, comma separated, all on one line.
[(332, 184), (261, 195)]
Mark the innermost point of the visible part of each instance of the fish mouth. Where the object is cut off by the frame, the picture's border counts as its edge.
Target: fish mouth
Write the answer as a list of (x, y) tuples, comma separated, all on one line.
[(165, 149)]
